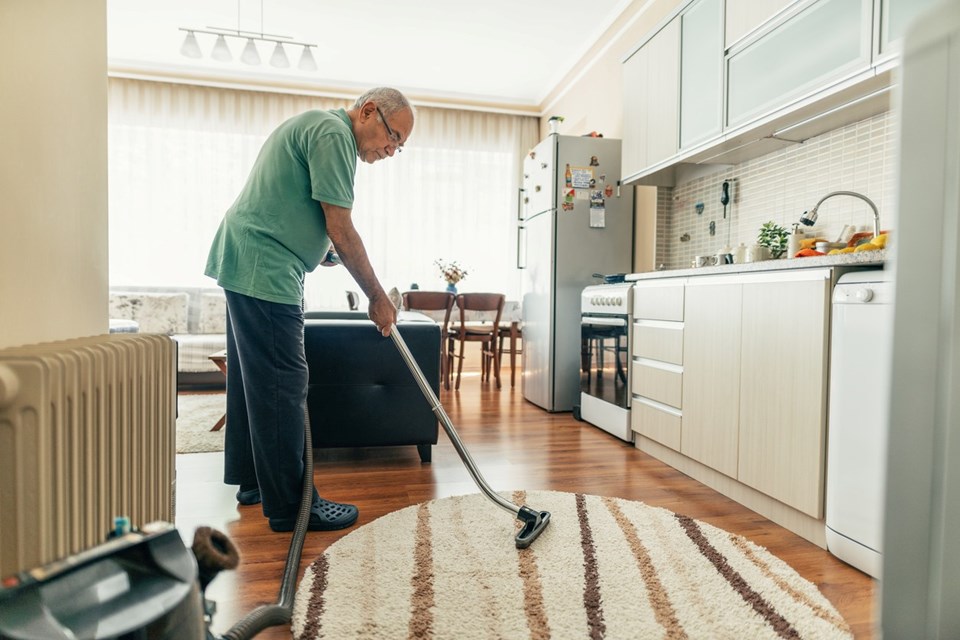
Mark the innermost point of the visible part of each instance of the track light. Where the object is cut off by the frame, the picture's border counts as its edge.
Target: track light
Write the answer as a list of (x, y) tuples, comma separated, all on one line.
[(279, 57), (307, 63), (190, 47), (249, 55), (221, 51)]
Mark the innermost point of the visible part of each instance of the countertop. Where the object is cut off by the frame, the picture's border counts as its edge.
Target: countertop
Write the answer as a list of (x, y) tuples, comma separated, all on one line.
[(863, 259)]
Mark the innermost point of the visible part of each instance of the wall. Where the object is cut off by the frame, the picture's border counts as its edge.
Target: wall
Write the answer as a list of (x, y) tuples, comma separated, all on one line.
[(590, 98), (53, 170), (780, 186)]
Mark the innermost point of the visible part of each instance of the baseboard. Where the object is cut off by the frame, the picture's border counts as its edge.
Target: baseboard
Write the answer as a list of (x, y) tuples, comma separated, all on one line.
[(787, 517)]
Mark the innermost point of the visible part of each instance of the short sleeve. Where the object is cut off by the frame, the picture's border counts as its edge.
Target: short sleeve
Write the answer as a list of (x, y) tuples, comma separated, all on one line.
[(332, 161)]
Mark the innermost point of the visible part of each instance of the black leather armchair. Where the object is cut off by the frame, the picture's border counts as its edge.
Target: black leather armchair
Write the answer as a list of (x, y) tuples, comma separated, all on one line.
[(361, 393)]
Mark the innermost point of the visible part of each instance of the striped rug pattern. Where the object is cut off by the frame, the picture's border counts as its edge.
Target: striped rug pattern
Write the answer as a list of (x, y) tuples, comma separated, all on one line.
[(604, 568)]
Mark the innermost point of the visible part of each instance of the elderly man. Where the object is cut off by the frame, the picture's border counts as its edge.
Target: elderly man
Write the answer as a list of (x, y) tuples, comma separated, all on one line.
[(295, 203)]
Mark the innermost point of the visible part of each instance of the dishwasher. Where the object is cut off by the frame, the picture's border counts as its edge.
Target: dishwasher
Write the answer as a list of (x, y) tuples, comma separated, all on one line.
[(861, 347)]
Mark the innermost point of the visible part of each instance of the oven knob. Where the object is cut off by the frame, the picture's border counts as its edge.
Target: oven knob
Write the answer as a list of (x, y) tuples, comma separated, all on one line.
[(619, 301)]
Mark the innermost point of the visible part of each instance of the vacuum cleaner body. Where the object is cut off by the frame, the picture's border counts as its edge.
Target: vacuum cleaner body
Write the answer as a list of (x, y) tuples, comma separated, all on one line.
[(141, 585)]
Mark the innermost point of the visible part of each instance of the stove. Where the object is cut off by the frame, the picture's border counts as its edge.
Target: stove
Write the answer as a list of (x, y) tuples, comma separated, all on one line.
[(605, 319)]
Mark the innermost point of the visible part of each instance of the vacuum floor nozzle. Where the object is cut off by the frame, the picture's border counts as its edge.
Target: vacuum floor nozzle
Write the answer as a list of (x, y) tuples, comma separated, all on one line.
[(534, 522)]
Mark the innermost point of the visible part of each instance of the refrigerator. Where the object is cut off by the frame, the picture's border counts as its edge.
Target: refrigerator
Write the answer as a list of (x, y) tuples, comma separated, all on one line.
[(575, 220)]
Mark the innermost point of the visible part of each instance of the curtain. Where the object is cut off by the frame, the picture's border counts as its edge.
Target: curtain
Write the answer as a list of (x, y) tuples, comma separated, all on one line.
[(179, 154)]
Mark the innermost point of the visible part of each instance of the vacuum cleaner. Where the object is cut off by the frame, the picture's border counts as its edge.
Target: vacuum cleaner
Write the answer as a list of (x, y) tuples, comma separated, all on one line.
[(146, 585)]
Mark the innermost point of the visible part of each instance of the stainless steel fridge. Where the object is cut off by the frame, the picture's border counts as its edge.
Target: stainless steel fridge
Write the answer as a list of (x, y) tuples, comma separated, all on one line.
[(574, 221)]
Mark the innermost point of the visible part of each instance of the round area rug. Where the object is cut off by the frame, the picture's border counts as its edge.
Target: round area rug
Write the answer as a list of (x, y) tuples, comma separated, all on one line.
[(603, 568), (196, 415)]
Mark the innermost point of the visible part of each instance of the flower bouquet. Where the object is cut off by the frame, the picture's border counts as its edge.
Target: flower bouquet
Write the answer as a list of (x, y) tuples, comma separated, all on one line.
[(451, 272)]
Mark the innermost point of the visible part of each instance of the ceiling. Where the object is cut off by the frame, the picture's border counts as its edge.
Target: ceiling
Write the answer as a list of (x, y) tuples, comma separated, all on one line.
[(500, 52)]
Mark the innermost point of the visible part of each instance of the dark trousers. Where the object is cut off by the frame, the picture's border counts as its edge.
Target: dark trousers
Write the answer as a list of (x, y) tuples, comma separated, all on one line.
[(266, 397)]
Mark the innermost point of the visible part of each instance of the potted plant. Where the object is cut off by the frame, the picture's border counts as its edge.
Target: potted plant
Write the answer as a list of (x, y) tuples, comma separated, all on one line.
[(773, 237), (554, 123)]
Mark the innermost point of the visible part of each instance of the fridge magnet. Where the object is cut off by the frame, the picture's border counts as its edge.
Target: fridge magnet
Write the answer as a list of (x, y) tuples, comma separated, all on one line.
[(598, 212), (603, 177), (594, 162), (583, 194), (569, 194), (533, 155), (580, 177), (608, 191), (593, 183), (567, 206), (568, 175)]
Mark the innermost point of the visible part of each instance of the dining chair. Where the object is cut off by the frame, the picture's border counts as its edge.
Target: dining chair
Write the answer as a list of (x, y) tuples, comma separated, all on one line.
[(484, 333), (418, 300), (507, 334), (353, 300)]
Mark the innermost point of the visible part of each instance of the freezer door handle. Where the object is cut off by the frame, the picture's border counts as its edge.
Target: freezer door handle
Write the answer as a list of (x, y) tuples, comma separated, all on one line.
[(521, 203), (521, 247)]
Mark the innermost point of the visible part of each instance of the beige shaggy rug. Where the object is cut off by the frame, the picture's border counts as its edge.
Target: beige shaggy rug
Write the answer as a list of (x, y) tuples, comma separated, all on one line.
[(603, 568), (196, 415)]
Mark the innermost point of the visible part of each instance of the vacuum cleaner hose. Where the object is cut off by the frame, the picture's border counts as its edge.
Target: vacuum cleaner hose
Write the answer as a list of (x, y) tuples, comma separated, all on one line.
[(280, 613)]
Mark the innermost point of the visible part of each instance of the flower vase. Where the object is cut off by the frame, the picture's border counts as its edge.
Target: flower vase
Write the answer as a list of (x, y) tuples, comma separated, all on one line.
[(452, 288)]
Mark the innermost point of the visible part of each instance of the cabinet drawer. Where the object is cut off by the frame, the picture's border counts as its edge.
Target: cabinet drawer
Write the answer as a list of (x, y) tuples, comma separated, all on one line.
[(662, 342), (656, 422), (658, 302), (663, 384)]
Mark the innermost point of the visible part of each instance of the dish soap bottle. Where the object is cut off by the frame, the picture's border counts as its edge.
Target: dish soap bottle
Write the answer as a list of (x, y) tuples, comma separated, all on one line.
[(740, 254), (793, 242)]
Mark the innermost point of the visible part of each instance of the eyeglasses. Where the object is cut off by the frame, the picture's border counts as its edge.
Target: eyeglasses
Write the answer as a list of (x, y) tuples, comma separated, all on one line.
[(393, 135)]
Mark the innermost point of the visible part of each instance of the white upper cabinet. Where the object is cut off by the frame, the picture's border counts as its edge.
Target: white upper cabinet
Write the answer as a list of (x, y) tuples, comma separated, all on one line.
[(651, 90), (701, 72), (827, 39), (743, 16), (895, 15)]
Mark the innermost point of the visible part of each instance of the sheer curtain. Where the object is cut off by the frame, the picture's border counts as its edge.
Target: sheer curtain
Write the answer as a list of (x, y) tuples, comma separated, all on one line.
[(179, 154)]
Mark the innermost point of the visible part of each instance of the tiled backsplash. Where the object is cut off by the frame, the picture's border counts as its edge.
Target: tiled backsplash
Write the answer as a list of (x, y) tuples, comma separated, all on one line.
[(780, 186)]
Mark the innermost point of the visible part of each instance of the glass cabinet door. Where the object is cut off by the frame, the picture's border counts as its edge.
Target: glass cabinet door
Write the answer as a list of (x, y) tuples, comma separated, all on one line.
[(895, 16), (701, 72), (830, 38)]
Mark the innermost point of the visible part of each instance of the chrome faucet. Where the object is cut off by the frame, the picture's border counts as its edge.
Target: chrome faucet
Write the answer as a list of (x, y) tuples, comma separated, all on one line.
[(810, 217)]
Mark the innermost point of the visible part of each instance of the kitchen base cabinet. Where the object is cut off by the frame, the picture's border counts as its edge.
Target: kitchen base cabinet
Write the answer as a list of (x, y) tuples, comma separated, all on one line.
[(711, 373), (750, 417), (783, 390)]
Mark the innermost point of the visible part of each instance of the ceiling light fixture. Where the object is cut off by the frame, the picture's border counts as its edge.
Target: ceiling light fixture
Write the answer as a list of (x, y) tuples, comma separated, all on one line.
[(250, 55)]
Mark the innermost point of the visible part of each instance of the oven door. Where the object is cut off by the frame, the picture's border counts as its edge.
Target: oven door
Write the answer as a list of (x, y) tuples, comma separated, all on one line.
[(604, 359)]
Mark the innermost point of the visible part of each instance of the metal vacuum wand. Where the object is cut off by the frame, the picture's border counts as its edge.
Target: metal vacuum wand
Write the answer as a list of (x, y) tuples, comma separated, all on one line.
[(534, 522)]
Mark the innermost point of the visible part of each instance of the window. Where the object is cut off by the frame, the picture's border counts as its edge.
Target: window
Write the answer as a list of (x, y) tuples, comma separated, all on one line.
[(179, 154)]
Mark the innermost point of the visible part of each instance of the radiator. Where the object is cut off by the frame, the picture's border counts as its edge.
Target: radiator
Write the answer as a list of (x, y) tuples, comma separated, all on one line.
[(87, 433)]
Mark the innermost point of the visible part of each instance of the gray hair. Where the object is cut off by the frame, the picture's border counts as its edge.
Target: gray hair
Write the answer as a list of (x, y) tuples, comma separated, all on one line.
[(389, 100)]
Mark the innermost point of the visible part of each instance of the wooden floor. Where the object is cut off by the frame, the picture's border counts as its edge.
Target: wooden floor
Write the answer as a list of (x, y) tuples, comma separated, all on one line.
[(516, 445)]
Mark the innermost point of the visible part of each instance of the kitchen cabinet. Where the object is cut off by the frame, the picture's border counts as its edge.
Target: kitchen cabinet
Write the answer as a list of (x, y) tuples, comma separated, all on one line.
[(895, 15), (701, 72), (656, 360), (825, 40), (711, 373), (744, 16), (783, 389), (731, 372), (651, 92)]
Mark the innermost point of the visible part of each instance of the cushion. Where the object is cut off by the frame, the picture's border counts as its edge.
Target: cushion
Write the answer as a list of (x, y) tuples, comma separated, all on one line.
[(164, 313), (194, 350), (213, 313)]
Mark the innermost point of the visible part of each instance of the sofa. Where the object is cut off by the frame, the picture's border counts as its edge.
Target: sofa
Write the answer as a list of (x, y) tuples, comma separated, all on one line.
[(360, 391), (195, 317)]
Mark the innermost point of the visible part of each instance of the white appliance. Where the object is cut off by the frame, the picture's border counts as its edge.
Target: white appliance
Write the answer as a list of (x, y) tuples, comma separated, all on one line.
[(605, 316), (861, 340), (920, 592), (574, 221)]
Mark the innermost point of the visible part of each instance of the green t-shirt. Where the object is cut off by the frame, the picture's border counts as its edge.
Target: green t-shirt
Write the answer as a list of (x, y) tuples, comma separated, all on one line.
[(275, 231)]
